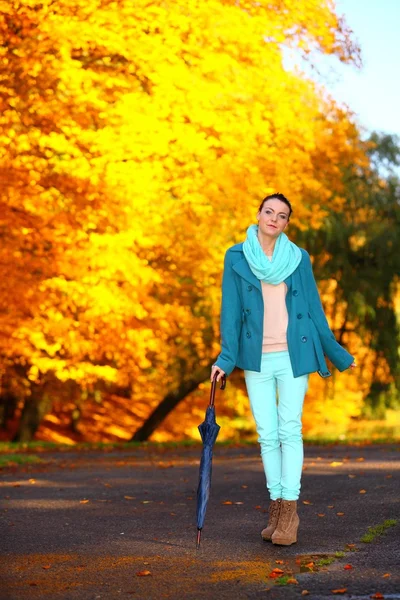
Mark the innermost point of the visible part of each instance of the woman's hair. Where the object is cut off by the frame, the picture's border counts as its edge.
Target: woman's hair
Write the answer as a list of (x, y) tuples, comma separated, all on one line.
[(280, 197)]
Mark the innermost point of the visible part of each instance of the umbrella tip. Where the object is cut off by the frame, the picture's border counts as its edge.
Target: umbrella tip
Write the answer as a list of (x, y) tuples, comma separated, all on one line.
[(198, 539)]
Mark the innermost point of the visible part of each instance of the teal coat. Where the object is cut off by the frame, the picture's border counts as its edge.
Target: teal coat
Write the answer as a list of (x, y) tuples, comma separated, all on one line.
[(242, 317)]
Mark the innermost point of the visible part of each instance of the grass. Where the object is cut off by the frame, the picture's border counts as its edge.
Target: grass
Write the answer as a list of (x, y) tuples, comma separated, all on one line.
[(8, 460), (324, 562), (377, 530), (41, 446)]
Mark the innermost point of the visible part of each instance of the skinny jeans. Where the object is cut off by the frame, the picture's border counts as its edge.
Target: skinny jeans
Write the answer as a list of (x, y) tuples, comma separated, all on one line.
[(278, 422)]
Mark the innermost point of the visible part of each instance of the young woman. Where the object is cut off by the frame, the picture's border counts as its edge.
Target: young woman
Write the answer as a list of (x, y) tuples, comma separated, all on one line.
[(274, 328)]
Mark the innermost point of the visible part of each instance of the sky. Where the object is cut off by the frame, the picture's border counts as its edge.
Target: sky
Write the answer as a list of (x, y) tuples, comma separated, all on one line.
[(373, 92)]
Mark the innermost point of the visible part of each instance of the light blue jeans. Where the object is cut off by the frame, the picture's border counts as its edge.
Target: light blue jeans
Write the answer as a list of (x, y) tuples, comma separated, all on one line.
[(278, 422)]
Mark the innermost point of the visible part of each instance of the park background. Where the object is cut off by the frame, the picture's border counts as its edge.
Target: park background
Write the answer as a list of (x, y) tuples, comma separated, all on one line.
[(137, 141)]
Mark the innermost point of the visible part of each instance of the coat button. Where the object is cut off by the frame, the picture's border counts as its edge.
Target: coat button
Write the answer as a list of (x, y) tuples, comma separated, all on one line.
[(303, 339), (248, 334), (299, 316), (295, 292), (248, 311), (249, 287)]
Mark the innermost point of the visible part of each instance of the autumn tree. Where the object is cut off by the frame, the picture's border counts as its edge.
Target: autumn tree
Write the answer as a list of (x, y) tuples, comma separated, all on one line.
[(138, 141)]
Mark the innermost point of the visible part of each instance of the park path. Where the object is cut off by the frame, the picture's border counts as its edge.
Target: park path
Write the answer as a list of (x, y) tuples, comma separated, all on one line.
[(89, 525)]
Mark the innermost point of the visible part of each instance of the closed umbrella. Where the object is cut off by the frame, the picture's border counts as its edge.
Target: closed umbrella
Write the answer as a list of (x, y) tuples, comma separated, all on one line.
[(209, 430)]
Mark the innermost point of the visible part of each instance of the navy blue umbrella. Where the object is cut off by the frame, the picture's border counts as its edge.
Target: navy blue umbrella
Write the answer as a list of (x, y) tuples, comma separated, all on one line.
[(209, 430)]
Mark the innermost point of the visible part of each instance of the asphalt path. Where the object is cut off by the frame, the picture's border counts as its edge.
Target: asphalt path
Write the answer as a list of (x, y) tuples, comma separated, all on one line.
[(121, 524)]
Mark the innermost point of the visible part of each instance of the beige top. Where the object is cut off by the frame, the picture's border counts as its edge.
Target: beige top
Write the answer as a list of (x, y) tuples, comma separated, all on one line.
[(275, 317)]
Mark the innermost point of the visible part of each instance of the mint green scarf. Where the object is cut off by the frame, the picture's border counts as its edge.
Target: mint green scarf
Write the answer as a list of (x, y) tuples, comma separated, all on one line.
[(285, 259)]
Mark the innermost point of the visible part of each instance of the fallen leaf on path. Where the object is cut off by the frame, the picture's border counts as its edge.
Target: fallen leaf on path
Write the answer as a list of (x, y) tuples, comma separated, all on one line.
[(279, 562), (275, 573), (339, 591), (309, 565), (238, 503), (321, 514), (245, 487), (331, 506), (350, 546), (340, 514), (83, 501), (292, 580), (351, 476), (347, 567), (386, 575), (306, 502), (378, 595), (107, 485), (360, 459), (46, 566), (227, 502), (19, 485), (362, 492), (388, 476), (32, 481), (143, 573), (129, 497), (147, 501), (258, 507), (305, 593), (335, 463)]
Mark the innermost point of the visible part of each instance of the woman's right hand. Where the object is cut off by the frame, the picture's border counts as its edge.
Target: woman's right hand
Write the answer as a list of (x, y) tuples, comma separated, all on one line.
[(215, 369)]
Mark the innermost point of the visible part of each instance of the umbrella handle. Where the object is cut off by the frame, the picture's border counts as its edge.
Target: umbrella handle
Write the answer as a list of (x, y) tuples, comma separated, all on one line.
[(214, 385)]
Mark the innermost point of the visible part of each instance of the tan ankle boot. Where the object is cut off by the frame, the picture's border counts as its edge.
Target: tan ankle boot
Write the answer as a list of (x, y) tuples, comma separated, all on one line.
[(286, 529), (274, 510)]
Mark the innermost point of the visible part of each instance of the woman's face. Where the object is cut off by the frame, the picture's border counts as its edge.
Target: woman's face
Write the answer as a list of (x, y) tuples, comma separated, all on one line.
[(273, 217)]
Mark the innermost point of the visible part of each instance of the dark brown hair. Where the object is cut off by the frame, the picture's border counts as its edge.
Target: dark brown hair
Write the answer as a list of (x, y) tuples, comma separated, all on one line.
[(280, 197)]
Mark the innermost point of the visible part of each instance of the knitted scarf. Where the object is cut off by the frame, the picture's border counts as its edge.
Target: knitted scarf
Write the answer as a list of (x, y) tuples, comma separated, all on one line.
[(285, 259)]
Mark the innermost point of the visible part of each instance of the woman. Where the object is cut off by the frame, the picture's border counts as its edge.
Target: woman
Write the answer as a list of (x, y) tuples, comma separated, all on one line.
[(274, 328)]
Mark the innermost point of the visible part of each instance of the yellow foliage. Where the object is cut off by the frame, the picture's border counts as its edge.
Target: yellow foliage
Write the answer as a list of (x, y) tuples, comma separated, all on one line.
[(136, 142)]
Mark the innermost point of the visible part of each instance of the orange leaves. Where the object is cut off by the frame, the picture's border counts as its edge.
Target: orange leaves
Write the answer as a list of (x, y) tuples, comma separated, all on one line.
[(339, 591), (144, 573), (276, 573), (122, 191)]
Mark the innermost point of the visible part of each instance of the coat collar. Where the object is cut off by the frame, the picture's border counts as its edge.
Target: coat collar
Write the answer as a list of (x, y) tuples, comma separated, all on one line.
[(242, 268)]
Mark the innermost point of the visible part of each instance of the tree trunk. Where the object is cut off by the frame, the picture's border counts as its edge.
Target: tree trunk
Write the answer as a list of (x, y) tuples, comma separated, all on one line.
[(36, 406), (8, 406), (168, 404)]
